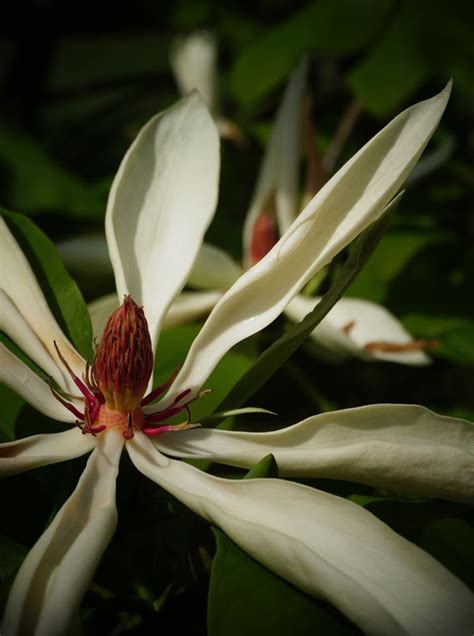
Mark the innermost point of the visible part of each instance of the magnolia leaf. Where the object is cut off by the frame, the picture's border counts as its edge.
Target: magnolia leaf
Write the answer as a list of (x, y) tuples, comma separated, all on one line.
[(337, 29), (37, 183), (451, 541), (453, 338), (391, 258), (233, 412), (246, 598), (266, 467), (277, 354), (61, 292), (11, 557), (11, 405), (172, 347)]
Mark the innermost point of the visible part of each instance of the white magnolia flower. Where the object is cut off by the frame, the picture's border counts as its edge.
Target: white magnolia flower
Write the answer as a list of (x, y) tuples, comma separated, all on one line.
[(160, 205), (354, 327)]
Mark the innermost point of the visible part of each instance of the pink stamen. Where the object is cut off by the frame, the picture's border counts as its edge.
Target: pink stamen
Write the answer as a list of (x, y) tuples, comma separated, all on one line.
[(80, 385), (70, 407), (164, 415), (181, 396), (157, 430), (162, 388)]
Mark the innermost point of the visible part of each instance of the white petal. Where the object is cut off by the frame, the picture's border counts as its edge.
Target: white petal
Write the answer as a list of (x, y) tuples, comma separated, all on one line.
[(160, 205), (346, 205), (190, 306), (100, 311), (19, 283), (21, 379), (400, 447), (193, 61), (15, 326), (325, 545), (42, 450), (54, 576), (213, 269), (354, 324), (279, 175)]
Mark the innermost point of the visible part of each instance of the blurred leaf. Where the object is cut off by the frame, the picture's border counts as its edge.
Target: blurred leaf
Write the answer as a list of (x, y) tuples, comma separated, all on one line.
[(61, 292), (395, 68), (389, 259), (172, 349), (11, 405), (438, 280), (277, 354), (455, 336), (11, 557), (451, 541), (424, 39), (36, 183), (246, 598), (173, 346), (337, 28), (84, 60)]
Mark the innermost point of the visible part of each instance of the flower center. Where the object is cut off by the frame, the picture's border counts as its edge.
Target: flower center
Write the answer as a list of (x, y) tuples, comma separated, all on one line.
[(126, 422), (113, 388)]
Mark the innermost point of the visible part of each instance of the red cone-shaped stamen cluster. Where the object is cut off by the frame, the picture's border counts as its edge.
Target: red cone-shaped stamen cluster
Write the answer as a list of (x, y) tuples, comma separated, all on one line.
[(112, 388), (124, 360)]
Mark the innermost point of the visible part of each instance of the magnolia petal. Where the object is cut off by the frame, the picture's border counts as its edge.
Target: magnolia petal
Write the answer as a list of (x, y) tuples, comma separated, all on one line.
[(193, 60), (353, 325), (21, 379), (325, 545), (213, 269), (160, 205), (100, 311), (42, 450), (54, 576), (400, 447), (279, 173), (354, 197), (22, 288), (190, 306), (15, 326)]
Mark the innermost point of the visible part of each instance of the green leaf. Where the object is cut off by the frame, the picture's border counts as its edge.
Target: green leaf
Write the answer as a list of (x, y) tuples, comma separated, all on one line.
[(172, 349), (36, 183), (266, 467), (454, 336), (390, 259), (395, 68), (273, 357), (451, 541), (11, 557), (82, 61), (333, 28), (61, 292), (11, 405)]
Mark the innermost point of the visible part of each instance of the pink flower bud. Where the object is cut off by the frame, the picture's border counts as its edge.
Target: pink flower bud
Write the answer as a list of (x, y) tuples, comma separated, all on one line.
[(124, 360), (263, 237)]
